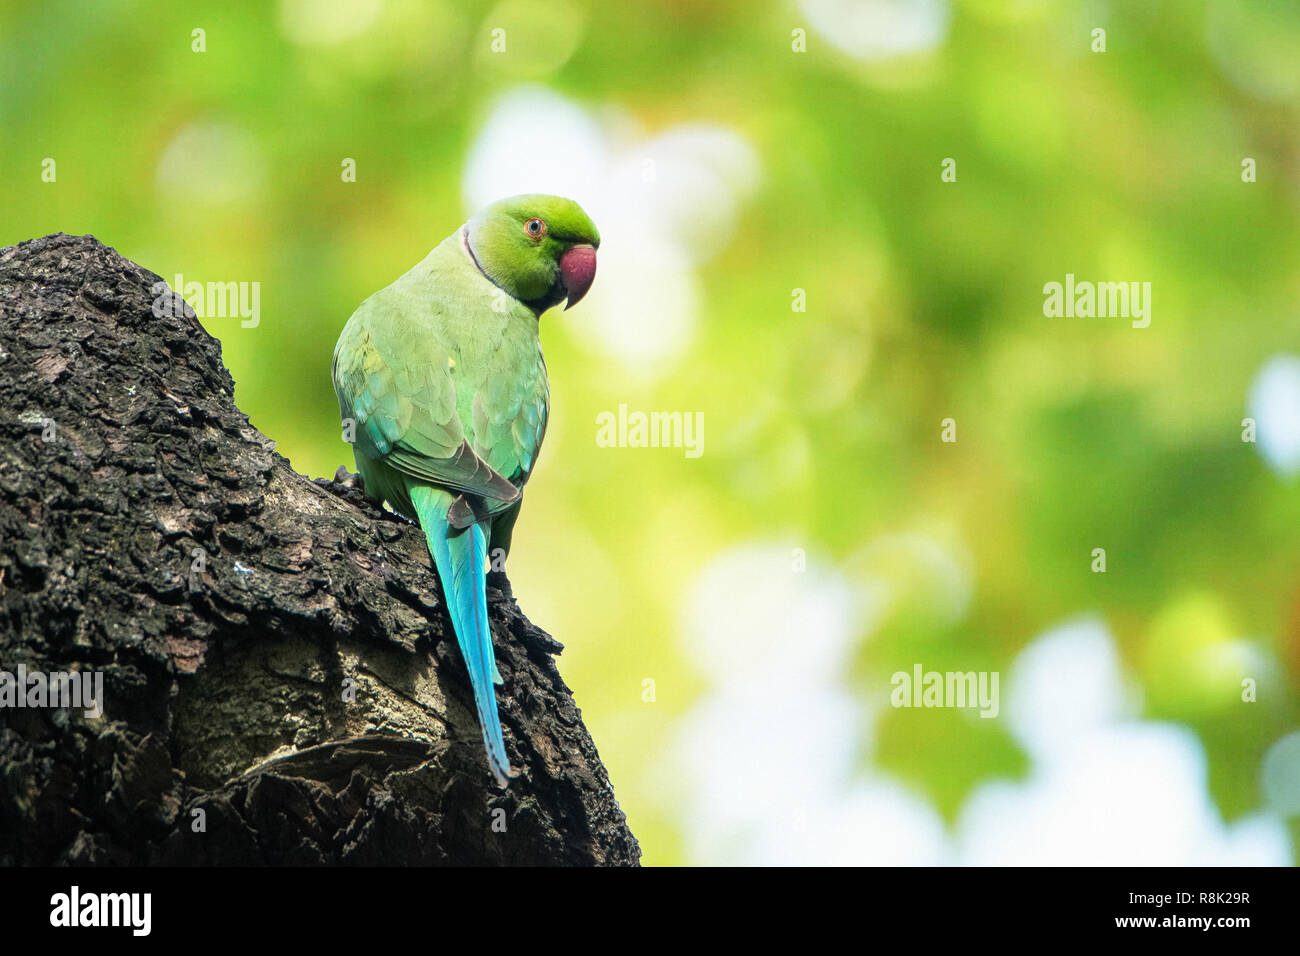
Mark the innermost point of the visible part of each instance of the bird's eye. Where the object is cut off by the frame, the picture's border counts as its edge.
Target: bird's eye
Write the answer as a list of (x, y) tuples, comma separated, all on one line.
[(535, 228)]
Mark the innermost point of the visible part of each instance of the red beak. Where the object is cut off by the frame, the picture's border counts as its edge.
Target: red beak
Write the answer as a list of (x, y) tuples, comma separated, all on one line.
[(578, 271)]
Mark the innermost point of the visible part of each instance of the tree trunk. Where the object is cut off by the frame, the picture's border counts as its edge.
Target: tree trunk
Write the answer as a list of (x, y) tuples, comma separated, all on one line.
[(281, 683)]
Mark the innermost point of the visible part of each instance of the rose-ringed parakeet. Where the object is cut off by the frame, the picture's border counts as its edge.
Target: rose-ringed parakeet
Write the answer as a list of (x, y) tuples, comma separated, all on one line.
[(442, 377)]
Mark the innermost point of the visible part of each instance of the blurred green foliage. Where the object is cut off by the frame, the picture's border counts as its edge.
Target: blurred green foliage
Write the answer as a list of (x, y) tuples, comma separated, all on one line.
[(924, 302)]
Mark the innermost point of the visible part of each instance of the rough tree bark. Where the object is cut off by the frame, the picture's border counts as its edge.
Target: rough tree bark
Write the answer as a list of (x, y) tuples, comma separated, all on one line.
[(150, 533)]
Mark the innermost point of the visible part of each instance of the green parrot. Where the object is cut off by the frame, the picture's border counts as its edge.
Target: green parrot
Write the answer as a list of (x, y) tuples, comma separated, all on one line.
[(442, 379)]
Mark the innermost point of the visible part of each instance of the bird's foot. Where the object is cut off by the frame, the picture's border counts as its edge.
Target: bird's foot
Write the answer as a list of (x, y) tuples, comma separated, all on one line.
[(498, 587), (349, 480)]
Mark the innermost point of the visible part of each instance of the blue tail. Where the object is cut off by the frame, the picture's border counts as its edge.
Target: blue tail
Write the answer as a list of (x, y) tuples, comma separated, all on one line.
[(461, 560)]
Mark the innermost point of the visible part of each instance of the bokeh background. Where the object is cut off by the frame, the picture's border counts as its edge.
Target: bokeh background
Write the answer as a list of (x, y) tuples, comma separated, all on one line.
[(732, 621)]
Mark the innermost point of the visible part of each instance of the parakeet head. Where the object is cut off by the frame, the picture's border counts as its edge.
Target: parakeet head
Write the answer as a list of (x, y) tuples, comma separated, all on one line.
[(540, 249)]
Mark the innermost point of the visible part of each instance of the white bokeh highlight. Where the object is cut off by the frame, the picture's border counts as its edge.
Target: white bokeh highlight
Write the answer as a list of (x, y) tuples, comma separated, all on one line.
[(1104, 789), (771, 767), (211, 161), (872, 30), (664, 205), (1274, 403), (767, 761), (1067, 683), (1280, 775)]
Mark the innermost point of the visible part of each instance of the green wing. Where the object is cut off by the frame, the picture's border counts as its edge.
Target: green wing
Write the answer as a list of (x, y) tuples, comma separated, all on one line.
[(509, 415), (445, 388), (396, 384)]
